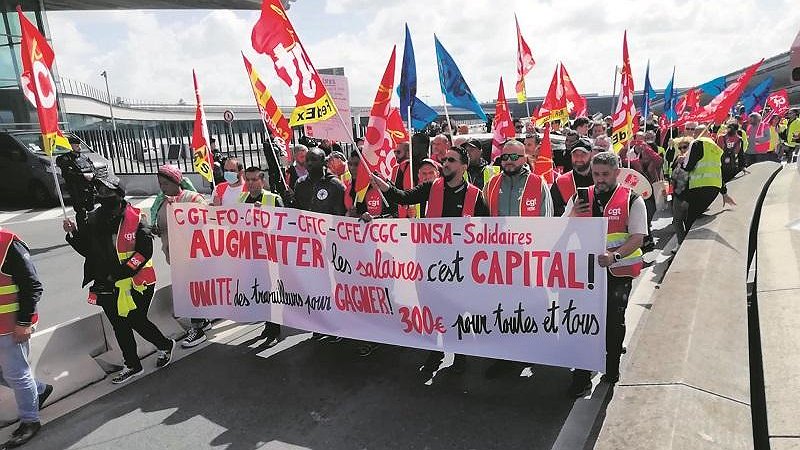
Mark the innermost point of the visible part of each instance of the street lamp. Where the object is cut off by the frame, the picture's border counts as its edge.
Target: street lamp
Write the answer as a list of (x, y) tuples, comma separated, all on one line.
[(110, 109)]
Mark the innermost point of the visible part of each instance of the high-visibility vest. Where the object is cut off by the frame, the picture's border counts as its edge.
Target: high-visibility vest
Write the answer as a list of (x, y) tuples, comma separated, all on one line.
[(127, 254), (487, 173), (9, 302), (530, 205), (708, 171), (436, 199), (791, 129), (403, 211), (774, 138), (267, 198), (566, 185), (759, 147), (617, 211)]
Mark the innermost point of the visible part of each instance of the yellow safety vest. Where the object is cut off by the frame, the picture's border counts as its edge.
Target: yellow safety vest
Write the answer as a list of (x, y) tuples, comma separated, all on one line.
[(793, 128), (708, 171), (774, 139), (267, 198)]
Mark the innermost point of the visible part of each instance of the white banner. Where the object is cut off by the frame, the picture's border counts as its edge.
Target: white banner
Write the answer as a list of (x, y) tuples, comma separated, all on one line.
[(332, 128), (523, 289)]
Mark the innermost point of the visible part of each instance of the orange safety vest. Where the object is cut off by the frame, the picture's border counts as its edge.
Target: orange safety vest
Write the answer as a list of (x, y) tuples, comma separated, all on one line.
[(530, 204), (566, 185), (617, 212), (9, 303), (126, 250), (404, 211), (436, 199)]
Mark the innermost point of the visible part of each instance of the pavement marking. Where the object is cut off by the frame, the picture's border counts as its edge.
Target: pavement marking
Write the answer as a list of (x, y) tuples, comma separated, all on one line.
[(47, 215), (7, 216), (285, 344)]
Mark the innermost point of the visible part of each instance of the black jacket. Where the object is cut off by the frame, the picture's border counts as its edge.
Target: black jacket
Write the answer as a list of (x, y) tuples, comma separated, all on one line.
[(96, 241), (19, 266), (322, 195)]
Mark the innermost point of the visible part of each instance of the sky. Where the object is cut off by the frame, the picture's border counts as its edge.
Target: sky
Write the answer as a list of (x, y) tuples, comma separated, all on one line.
[(149, 55)]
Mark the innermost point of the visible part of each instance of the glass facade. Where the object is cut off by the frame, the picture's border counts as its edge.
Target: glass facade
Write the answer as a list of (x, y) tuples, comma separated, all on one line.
[(15, 111)]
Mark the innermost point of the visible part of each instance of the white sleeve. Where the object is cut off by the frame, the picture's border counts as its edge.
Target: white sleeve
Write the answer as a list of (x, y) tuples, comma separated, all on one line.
[(568, 207), (547, 201), (637, 218)]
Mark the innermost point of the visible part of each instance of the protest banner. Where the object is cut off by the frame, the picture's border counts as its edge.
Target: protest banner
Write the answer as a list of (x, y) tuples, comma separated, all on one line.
[(332, 128), (523, 289)]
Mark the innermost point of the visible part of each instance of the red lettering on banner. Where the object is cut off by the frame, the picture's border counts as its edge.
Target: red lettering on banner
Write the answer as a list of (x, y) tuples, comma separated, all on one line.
[(431, 233), (383, 232), (381, 269), (363, 299), (500, 267), (420, 320), (212, 292), (257, 245), (311, 224)]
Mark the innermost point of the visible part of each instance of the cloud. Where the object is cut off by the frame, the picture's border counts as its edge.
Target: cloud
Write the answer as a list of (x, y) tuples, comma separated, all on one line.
[(151, 54)]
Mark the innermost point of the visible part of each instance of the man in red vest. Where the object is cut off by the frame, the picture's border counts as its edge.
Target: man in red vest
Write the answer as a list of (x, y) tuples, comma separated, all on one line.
[(403, 177), (448, 196), (20, 290), (580, 176), (627, 227), (117, 247)]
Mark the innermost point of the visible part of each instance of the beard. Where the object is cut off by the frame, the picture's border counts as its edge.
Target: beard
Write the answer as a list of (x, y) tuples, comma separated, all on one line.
[(582, 169), (512, 171), (449, 177)]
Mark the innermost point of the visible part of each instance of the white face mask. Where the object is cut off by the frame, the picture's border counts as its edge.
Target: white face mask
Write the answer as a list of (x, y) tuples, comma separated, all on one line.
[(231, 177)]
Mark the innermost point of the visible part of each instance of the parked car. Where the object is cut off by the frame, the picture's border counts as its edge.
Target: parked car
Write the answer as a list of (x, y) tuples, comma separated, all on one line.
[(27, 172)]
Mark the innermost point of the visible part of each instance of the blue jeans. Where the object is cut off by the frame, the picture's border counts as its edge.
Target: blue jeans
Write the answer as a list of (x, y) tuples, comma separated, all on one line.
[(17, 375)]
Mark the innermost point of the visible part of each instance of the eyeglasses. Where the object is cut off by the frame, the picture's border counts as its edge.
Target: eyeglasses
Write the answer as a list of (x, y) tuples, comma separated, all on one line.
[(510, 156), (449, 159)]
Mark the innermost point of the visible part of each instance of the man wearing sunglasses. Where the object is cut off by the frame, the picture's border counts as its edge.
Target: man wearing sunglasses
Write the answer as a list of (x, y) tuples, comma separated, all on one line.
[(516, 191)]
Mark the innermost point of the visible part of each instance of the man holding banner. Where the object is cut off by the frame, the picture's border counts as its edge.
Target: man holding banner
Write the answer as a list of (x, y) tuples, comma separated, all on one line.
[(627, 227)]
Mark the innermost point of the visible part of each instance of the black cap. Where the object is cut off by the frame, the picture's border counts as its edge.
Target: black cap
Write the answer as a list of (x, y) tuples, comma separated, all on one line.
[(584, 144), (471, 143), (74, 140), (107, 186)]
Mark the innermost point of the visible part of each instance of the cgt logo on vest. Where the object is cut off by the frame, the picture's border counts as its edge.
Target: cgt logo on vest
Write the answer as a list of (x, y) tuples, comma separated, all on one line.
[(129, 236), (530, 204)]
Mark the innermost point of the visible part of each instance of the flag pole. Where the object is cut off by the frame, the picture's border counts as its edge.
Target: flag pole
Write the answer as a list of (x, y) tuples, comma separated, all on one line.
[(358, 150), (410, 153), (58, 186), (614, 92)]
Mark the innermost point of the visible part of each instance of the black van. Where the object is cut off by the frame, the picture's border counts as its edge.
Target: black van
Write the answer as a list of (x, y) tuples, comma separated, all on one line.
[(26, 170)]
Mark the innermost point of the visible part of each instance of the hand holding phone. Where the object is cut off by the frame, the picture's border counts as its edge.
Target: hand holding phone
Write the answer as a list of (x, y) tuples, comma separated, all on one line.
[(582, 201)]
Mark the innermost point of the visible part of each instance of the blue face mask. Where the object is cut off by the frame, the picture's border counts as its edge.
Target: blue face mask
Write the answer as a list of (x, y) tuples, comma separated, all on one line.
[(231, 177)]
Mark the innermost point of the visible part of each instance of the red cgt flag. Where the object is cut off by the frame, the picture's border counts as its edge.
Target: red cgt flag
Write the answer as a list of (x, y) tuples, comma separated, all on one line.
[(622, 123), (503, 126), (37, 82), (576, 103), (271, 114), (544, 162), (201, 157), (396, 128), (377, 155), (274, 35), (554, 107), (525, 63)]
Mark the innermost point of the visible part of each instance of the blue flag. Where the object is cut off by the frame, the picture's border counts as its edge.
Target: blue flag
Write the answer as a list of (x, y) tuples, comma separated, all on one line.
[(454, 88), (422, 115), (649, 93), (756, 96), (670, 99), (407, 89), (714, 87)]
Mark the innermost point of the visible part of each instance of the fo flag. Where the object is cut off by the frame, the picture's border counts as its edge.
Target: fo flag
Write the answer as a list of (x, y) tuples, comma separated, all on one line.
[(503, 127), (271, 115), (525, 63), (37, 83), (622, 123), (377, 155), (202, 158), (274, 35)]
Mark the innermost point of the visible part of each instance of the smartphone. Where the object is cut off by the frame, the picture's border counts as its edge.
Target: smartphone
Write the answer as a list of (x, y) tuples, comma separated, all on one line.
[(583, 194)]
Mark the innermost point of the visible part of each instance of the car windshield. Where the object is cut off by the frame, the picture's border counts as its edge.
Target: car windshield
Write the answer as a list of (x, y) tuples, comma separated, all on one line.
[(34, 144)]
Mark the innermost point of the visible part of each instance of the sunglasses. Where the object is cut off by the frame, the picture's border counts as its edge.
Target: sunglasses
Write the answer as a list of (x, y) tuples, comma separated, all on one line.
[(449, 159), (510, 156), (683, 147)]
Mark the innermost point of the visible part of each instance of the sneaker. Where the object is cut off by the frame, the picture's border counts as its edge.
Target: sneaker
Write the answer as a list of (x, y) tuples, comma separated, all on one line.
[(366, 350), (194, 337), (126, 374), (48, 389), (24, 433), (580, 387), (206, 325), (271, 333), (165, 356)]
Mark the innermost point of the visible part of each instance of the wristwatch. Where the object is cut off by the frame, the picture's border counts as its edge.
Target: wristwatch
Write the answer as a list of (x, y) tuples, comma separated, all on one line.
[(617, 256)]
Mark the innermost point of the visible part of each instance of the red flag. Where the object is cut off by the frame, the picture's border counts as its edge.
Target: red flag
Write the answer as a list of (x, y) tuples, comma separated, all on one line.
[(719, 107), (377, 154), (201, 157), (554, 106), (37, 82), (271, 114), (544, 162), (396, 129), (778, 103), (503, 126), (525, 63), (622, 123), (274, 35), (576, 103)]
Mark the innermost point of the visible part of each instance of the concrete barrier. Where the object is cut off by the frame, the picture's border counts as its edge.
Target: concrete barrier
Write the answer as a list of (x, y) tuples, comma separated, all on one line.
[(777, 287), (63, 357), (685, 383)]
